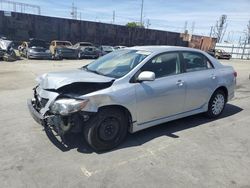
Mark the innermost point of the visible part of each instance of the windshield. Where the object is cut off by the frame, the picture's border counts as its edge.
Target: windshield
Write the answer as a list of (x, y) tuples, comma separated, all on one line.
[(86, 44), (64, 43), (117, 63), (37, 43), (107, 48)]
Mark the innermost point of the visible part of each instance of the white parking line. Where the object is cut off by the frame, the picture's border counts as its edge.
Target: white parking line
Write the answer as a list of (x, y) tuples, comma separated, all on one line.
[(86, 172), (148, 153)]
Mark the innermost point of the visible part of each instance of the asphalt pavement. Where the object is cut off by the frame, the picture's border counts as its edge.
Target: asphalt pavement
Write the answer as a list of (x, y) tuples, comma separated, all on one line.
[(190, 152)]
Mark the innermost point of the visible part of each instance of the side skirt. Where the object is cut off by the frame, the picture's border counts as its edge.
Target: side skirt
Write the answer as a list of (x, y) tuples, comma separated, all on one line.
[(137, 127)]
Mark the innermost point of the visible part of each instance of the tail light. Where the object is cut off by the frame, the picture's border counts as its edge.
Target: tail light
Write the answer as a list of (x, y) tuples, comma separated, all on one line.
[(235, 74)]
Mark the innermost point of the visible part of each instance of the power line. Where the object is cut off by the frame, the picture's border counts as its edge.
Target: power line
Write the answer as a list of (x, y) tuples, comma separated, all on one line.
[(21, 6)]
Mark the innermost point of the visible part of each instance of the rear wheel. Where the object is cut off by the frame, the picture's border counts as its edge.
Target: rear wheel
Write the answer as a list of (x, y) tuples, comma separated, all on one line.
[(106, 129), (216, 104)]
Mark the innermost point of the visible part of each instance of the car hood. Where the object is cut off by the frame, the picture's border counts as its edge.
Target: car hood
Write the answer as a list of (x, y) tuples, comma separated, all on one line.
[(56, 80), (4, 44)]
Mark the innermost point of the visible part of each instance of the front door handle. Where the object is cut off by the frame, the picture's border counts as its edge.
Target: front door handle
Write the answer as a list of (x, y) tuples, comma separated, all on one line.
[(213, 77), (179, 83)]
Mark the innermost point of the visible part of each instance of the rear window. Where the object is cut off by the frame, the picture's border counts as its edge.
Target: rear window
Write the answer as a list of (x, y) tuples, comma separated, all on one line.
[(196, 61)]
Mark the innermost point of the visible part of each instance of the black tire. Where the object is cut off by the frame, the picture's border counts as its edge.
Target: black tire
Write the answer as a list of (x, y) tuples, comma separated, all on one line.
[(216, 105), (107, 129), (57, 56)]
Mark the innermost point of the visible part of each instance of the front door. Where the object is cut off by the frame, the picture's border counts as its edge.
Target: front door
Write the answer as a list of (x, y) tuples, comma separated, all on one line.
[(165, 96)]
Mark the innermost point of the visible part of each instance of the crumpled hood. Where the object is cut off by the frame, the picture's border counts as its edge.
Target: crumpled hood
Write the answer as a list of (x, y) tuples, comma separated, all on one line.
[(56, 80)]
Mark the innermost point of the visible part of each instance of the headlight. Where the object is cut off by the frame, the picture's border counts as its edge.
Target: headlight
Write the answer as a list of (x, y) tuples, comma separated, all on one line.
[(67, 106)]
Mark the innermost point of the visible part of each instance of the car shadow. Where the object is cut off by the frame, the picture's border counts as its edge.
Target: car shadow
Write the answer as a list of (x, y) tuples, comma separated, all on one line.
[(76, 140)]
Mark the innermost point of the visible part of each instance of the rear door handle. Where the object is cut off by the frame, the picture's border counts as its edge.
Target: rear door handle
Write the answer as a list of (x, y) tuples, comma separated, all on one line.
[(179, 83)]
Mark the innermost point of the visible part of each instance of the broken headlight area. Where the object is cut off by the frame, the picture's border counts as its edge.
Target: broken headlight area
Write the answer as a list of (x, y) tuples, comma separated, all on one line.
[(65, 107), (64, 124), (66, 115)]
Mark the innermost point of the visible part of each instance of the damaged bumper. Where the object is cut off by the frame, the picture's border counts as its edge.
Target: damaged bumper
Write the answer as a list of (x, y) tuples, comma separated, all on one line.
[(60, 124), (35, 114)]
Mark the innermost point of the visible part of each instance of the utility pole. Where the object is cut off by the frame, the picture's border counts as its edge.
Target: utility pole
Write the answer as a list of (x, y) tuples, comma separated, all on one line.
[(193, 26), (248, 32), (220, 28), (185, 27), (142, 4), (211, 31), (74, 11), (148, 23), (113, 17)]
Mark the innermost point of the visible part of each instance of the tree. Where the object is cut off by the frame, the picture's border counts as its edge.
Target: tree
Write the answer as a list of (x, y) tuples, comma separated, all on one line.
[(134, 25), (220, 28)]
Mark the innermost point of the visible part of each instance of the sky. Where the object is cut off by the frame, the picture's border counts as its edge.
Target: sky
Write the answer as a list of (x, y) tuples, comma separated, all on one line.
[(169, 15)]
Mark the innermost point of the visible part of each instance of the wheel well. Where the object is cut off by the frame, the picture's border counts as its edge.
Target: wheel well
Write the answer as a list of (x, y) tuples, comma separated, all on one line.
[(122, 108), (225, 91)]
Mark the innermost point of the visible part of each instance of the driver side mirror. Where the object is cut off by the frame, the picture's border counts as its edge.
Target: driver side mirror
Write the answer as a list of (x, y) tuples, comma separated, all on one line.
[(146, 76)]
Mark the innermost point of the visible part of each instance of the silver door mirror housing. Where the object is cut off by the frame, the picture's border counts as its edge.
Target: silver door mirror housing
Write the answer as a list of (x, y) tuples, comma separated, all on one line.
[(146, 76)]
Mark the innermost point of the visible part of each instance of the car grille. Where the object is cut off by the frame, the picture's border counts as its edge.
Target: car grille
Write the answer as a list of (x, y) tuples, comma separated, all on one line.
[(43, 102)]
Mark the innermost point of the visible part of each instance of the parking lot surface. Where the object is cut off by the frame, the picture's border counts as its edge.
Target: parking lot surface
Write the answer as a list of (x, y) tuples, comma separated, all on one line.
[(190, 152)]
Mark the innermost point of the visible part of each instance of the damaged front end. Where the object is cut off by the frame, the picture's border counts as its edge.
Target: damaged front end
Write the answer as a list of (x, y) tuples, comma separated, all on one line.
[(62, 110), (59, 101)]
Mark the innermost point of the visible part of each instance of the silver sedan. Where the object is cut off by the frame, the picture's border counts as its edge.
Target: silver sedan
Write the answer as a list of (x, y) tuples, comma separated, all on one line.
[(132, 89)]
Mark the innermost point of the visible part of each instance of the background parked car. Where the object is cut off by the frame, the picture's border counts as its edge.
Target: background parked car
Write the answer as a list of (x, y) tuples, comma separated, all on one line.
[(87, 49), (219, 54), (63, 49), (7, 51), (35, 49), (105, 50), (119, 47)]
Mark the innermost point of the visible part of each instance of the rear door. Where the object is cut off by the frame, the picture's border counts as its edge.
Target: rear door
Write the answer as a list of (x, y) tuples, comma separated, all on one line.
[(165, 95), (200, 79)]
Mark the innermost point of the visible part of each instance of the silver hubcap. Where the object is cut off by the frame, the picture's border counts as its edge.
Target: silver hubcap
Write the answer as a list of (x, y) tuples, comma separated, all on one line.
[(218, 104)]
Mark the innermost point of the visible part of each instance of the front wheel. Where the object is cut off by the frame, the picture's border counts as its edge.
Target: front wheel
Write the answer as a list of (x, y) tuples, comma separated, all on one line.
[(216, 104), (106, 130)]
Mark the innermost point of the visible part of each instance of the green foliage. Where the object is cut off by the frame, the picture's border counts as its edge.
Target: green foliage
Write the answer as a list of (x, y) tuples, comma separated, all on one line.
[(134, 24)]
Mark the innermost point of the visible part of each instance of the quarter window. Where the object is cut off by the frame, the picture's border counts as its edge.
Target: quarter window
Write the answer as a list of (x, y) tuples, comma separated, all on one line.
[(163, 65), (196, 62)]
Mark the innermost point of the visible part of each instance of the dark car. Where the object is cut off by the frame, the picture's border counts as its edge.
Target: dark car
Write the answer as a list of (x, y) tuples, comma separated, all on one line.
[(105, 50), (2, 52), (219, 54), (34, 49), (86, 50), (63, 49)]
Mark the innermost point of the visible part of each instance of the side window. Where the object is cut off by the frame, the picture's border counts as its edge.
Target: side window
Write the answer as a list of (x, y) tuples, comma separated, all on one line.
[(196, 62), (163, 65)]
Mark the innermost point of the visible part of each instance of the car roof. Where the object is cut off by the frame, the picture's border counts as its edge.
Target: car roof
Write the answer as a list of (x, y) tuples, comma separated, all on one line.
[(159, 49), (60, 41)]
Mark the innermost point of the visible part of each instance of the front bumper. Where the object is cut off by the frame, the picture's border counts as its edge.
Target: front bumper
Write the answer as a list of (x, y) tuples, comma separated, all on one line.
[(40, 55), (67, 54), (35, 114)]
